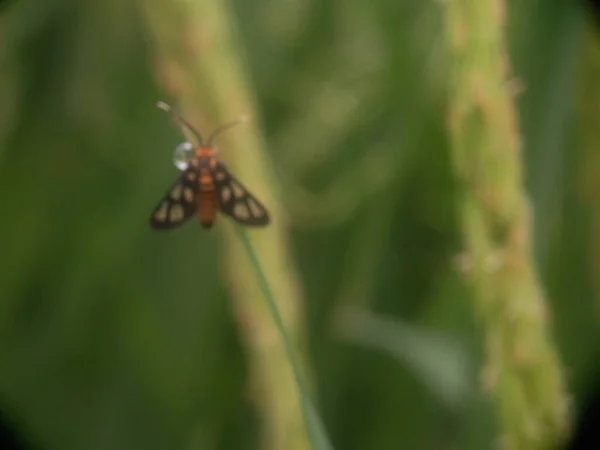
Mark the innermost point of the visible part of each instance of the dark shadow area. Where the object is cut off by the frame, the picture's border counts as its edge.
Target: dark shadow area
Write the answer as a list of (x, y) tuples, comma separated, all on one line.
[(586, 433), (594, 6), (10, 438)]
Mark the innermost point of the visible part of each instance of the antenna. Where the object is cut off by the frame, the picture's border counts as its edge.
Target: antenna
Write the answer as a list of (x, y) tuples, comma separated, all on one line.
[(225, 126), (181, 120)]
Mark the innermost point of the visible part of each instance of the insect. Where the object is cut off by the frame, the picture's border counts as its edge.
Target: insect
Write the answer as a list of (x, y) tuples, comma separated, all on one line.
[(206, 187)]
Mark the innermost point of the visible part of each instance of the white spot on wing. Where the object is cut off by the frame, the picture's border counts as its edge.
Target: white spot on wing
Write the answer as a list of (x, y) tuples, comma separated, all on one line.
[(256, 210), (176, 213), (240, 211), (176, 193), (226, 194), (188, 194), (161, 214), (238, 190)]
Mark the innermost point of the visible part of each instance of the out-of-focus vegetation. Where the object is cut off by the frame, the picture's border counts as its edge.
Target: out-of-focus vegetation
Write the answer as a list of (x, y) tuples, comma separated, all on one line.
[(116, 336)]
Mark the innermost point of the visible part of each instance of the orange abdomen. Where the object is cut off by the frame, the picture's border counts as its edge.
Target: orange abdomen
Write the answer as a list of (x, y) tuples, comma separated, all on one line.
[(207, 208)]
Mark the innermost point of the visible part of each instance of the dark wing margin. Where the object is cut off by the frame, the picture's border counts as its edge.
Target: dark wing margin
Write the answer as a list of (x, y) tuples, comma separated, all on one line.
[(236, 201), (179, 204)]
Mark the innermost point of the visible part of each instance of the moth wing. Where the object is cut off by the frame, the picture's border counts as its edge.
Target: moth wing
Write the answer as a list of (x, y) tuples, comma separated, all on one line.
[(236, 201), (179, 204)]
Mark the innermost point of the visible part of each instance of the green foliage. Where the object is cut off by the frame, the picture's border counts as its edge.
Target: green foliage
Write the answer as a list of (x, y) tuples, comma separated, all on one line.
[(114, 336)]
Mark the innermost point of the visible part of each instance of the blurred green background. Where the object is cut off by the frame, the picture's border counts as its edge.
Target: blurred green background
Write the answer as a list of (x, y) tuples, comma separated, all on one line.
[(115, 336)]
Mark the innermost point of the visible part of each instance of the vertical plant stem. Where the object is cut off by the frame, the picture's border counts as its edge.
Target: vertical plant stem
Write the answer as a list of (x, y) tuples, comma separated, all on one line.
[(590, 111), (523, 374), (199, 64)]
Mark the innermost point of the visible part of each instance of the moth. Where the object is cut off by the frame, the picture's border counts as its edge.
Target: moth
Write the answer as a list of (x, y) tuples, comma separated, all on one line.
[(206, 187)]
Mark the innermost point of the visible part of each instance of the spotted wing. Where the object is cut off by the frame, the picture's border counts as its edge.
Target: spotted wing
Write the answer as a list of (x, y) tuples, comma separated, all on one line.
[(178, 204), (236, 201)]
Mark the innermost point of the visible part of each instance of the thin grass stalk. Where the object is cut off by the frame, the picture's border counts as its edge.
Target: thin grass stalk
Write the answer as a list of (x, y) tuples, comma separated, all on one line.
[(314, 426), (523, 374)]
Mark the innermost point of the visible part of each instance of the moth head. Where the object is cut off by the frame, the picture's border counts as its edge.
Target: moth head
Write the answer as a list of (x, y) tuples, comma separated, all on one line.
[(203, 151)]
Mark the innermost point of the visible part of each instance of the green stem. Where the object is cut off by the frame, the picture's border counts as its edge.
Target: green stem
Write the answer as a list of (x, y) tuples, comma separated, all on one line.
[(589, 110), (315, 428), (523, 374)]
